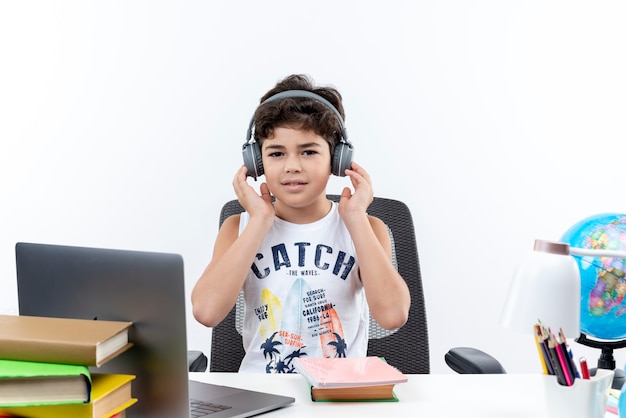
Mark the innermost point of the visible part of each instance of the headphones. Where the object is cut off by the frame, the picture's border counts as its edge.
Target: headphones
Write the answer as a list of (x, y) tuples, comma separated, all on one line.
[(341, 158)]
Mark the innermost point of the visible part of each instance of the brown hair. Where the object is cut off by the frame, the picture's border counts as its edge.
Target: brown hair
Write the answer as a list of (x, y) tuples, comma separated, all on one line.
[(300, 112)]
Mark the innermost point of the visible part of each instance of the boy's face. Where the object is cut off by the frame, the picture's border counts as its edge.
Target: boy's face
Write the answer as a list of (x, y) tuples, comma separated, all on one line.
[(297, 165)]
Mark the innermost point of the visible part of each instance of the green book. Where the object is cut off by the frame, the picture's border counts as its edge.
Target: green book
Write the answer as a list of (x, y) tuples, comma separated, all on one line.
[(25, 383)]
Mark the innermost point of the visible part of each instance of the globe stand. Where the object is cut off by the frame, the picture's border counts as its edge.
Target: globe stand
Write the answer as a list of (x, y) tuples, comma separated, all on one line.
[(606, 360)]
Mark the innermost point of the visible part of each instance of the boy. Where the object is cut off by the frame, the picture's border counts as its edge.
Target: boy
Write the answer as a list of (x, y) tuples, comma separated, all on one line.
[(311, 270)]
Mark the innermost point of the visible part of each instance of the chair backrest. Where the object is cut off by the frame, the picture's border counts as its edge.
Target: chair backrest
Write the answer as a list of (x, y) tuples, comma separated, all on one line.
[(406, 348)]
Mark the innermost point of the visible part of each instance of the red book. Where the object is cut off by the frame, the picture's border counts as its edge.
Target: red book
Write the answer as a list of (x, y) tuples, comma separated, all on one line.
[(348, 372)]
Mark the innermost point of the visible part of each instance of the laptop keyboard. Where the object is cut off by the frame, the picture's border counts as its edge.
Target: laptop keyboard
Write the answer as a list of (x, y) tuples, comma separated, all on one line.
[(202, 409)]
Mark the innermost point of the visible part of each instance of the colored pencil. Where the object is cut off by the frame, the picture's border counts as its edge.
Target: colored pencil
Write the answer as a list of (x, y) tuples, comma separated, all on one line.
[(584, 368), (541, 350), (556, 363)]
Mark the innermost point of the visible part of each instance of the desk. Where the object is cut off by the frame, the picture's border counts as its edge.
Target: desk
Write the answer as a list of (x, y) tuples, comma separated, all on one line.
[(431, 395)]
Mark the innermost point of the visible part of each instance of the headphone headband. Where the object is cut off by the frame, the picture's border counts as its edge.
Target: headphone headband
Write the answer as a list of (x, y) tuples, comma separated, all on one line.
[(304, 94)]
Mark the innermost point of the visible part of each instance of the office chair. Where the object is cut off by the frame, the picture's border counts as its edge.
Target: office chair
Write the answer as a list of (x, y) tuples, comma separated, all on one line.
[(406, 348)]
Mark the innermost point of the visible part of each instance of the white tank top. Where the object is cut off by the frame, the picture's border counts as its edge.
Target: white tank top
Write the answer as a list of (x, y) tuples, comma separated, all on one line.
[(303, 296)]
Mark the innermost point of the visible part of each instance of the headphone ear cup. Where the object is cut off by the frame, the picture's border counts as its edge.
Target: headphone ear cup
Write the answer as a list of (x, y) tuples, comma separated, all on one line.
[(252, 159), (342, 159)]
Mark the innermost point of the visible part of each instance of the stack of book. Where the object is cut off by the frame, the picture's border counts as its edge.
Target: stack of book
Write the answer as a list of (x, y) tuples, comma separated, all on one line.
[(44, 368), (350, 379)]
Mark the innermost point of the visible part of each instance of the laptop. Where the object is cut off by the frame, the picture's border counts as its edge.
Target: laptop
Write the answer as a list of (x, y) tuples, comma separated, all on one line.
[(145, 288)]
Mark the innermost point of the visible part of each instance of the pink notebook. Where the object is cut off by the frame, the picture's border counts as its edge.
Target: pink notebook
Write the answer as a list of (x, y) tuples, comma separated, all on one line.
[(348, 372)]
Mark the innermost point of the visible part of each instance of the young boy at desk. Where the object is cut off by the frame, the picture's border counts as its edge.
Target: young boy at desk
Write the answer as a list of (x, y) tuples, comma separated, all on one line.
[(311, 269)]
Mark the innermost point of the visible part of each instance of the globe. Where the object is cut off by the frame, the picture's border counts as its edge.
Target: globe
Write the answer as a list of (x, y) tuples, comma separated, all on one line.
[(603, 285)]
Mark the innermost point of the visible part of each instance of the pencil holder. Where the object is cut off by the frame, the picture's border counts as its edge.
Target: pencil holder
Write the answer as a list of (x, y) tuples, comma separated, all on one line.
[(584, 399)]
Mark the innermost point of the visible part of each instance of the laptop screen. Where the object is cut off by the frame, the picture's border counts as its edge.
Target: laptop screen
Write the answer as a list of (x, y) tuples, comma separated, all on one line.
[(144, 288)]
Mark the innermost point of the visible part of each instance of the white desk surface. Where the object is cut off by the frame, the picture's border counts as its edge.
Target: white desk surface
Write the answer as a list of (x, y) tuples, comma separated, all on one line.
[(431, 395)]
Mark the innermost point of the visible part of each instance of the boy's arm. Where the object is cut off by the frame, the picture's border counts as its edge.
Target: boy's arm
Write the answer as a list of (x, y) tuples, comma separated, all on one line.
[(216, 291), (387, 293)]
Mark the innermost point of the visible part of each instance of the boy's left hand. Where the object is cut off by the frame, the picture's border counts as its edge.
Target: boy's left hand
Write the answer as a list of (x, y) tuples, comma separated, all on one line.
[(356, 203)]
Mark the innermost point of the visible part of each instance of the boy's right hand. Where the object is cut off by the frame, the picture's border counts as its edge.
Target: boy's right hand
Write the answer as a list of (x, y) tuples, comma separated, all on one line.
[(255, 204)]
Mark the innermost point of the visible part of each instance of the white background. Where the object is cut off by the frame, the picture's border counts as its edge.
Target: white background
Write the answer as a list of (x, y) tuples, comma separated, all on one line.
[(497, 122)]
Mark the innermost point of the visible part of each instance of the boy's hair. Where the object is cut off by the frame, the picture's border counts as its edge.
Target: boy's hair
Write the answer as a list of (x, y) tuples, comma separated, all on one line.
[(300, 112)]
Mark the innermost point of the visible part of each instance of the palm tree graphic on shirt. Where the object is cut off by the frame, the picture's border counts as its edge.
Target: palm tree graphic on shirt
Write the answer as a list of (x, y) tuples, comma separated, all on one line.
[(269, 347), (340, 345), (275, 363)]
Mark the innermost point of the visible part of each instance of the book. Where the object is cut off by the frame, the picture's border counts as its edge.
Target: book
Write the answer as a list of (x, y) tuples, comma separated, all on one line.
[(356, 393), (110, 397), (348, 372), (29, 383), (62, 340)]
